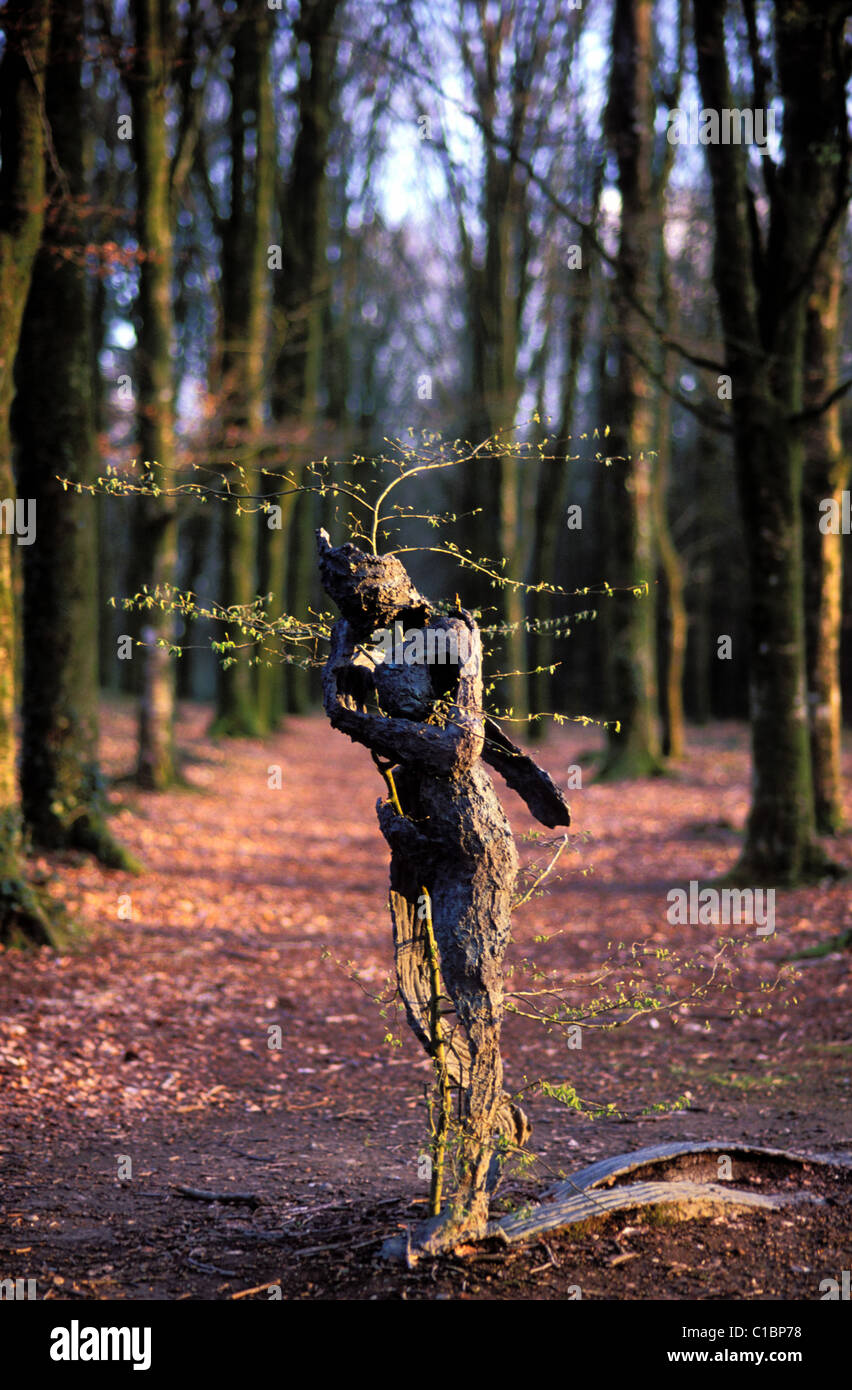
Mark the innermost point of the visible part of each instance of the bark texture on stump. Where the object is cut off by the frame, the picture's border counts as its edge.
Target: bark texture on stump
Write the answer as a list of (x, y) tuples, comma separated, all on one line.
[(452, 840)]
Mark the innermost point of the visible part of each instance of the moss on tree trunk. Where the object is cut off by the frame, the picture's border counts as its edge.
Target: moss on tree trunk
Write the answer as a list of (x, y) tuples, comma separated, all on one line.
[(762, 292), (155, 538), (24, 915), (633, 750), (780, 831), (301, 290), (826, 474), (673, 653), (245, 276), (62, 792)]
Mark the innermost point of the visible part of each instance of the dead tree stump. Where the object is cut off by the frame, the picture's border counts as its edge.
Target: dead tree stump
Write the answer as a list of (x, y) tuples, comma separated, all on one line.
[(425, 720)]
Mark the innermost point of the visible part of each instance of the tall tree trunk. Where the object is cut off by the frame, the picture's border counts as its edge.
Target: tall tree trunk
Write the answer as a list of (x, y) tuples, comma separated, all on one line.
[(826, 475), (505, 51), (633, 751), (674, 626), (300, 294), (552, 482), (26, 26), (156, 529), (245, 272), (108, 676), (496, 308), (701, 642), (61, 784), (762, 299), (673, 656)]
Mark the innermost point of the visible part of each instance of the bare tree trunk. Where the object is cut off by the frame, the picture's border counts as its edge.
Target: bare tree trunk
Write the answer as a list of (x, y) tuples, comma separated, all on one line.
[(156, 520), (633, 751), (495, 309), (301, 289), (826, 474), (675, 638), (671, 565), (26, 28), (553, 480), (762, 299), (61, 785), (245, 273), (674, 626)]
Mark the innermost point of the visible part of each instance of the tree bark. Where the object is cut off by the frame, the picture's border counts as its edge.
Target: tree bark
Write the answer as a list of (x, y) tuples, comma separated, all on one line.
[(61, 784), (551, 498), (245, 275), (156, 518), (300, 293), (633, 751), (495, 302), (762, 298), (674, 627), (826, 475), (26, 28), (673, 656)]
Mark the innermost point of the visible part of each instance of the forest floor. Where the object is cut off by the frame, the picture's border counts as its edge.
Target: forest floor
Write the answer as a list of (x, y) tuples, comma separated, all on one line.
[(139, 1061)]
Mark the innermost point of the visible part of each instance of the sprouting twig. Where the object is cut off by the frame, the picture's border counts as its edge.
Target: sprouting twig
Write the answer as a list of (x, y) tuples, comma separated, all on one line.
[(543, 875)]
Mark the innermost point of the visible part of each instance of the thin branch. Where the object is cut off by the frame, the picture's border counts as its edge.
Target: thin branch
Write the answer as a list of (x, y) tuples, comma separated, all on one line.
[(828, 401)]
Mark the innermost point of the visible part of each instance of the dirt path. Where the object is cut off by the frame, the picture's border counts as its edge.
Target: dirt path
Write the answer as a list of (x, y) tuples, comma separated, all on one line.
[(141, 1060)]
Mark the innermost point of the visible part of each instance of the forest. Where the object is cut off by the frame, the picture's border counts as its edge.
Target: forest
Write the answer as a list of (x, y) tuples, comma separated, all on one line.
[(466, 383)]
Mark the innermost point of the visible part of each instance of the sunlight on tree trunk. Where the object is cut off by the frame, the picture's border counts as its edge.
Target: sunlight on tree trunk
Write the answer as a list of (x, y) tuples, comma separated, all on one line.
[(156, 517), (826, 476), (762, 299), (633, 751), (671, 565)]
